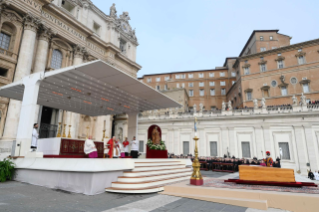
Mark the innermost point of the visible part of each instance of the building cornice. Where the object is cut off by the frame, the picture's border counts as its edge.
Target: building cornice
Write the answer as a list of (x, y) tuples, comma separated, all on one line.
[(262, 62), (219, 117), (132, 63), (281, 50), (71, 19), (280, 58)]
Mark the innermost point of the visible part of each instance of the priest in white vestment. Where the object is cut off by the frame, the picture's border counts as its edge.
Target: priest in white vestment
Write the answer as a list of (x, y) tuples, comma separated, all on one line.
[(117, 149), (90, 148), (35, 137)]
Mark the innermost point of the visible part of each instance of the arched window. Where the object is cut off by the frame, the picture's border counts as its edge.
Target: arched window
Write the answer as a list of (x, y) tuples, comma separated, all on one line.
[(56, 61)]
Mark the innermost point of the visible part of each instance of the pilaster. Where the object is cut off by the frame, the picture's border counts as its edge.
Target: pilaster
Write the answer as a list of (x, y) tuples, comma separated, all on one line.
[(232, 142), (312, 147), (259, 139), (224, 140), (301, 149)]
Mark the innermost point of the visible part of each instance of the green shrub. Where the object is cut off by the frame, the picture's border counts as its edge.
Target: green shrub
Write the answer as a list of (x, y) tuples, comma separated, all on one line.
[(6, 170)]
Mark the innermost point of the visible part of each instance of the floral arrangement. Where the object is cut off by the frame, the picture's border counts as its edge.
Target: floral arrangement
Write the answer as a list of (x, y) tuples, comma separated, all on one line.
[(160, 146)]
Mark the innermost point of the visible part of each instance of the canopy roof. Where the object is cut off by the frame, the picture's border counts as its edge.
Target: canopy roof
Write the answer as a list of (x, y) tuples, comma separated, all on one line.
[(94, 89)]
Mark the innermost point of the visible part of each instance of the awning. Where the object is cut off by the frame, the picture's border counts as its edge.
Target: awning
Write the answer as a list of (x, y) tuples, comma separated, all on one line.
[(94, 89)]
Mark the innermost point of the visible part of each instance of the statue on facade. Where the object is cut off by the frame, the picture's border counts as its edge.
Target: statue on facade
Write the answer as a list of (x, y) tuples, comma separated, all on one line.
[(282, 79), (201, 106), (294, 100), (230, 107), (303, 100), (125, 17), (223, 106), (263, 103), (195, 108), (113, 12), (255, 101), (133, 34)]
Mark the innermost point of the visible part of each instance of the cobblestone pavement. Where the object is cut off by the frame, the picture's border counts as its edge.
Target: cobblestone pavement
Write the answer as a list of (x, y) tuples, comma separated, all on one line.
[(21, 197)]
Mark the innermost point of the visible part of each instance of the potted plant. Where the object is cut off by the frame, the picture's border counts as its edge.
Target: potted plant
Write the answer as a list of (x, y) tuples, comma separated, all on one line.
[(6, 170)]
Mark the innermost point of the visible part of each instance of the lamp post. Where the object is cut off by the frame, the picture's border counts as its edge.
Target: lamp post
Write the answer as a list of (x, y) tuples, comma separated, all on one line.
[(196, 178)]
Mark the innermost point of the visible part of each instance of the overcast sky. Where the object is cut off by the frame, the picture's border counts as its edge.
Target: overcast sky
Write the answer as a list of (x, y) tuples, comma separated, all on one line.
[(181, 35)]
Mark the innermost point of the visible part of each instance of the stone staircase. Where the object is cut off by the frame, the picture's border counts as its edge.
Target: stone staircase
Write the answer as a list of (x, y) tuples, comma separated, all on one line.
[(150, 176)]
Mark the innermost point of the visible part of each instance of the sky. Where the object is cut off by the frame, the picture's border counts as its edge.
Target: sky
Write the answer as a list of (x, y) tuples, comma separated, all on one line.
[(183, 35)]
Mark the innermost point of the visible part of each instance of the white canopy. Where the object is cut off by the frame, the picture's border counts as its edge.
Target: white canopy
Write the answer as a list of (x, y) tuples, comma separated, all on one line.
[(94, 89)]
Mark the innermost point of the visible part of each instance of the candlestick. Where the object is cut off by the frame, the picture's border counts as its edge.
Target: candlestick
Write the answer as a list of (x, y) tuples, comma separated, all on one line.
[(196, 178), (103, 135), (69, 136), (87, 132), (59, 131), (64, 135)]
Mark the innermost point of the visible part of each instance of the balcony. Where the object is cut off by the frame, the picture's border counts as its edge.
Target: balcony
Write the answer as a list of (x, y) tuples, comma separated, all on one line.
[(8, 54)]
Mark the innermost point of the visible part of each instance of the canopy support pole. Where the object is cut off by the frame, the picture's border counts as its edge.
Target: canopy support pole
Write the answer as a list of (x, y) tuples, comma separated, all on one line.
[(28, 113), (132, 126)]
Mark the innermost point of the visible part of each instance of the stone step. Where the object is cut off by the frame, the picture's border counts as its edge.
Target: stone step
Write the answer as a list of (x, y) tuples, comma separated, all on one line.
[(140, 185), (153, 177), (161, 167)]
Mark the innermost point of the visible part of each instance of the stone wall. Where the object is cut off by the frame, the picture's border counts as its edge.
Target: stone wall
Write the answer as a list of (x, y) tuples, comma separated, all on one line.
[(263, 130)]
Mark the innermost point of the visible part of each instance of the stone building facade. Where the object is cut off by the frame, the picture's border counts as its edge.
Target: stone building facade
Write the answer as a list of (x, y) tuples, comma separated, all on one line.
[(44, 35), (268, 67), (275, 70), (206, 87)]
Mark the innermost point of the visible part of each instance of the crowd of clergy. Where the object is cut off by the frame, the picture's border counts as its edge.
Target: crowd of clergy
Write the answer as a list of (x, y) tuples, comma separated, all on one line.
[(114, 148)]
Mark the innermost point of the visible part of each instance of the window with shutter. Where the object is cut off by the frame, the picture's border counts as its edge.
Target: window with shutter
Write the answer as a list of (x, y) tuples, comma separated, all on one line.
[(185, 148), (285, 150), (213, 148), (245, 147)]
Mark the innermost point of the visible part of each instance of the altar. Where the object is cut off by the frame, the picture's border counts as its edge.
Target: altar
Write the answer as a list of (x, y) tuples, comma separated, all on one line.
[(66, 148)]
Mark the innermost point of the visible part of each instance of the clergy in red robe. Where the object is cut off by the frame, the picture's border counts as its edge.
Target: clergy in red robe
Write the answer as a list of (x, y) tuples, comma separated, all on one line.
[(110, 146)]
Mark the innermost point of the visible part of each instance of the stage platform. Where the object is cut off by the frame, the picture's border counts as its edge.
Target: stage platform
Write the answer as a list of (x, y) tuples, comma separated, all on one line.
[(304, 199), (92, 176)]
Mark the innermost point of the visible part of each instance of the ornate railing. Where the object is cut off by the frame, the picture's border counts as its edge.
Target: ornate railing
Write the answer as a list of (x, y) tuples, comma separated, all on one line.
[(8, 53), (313, 106), (275, 108), (48, 130)]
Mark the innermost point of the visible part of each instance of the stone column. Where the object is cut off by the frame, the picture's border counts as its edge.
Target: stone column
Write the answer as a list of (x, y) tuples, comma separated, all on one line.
[(42, 54), (42, 49), (23, 69), (75, 117)]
